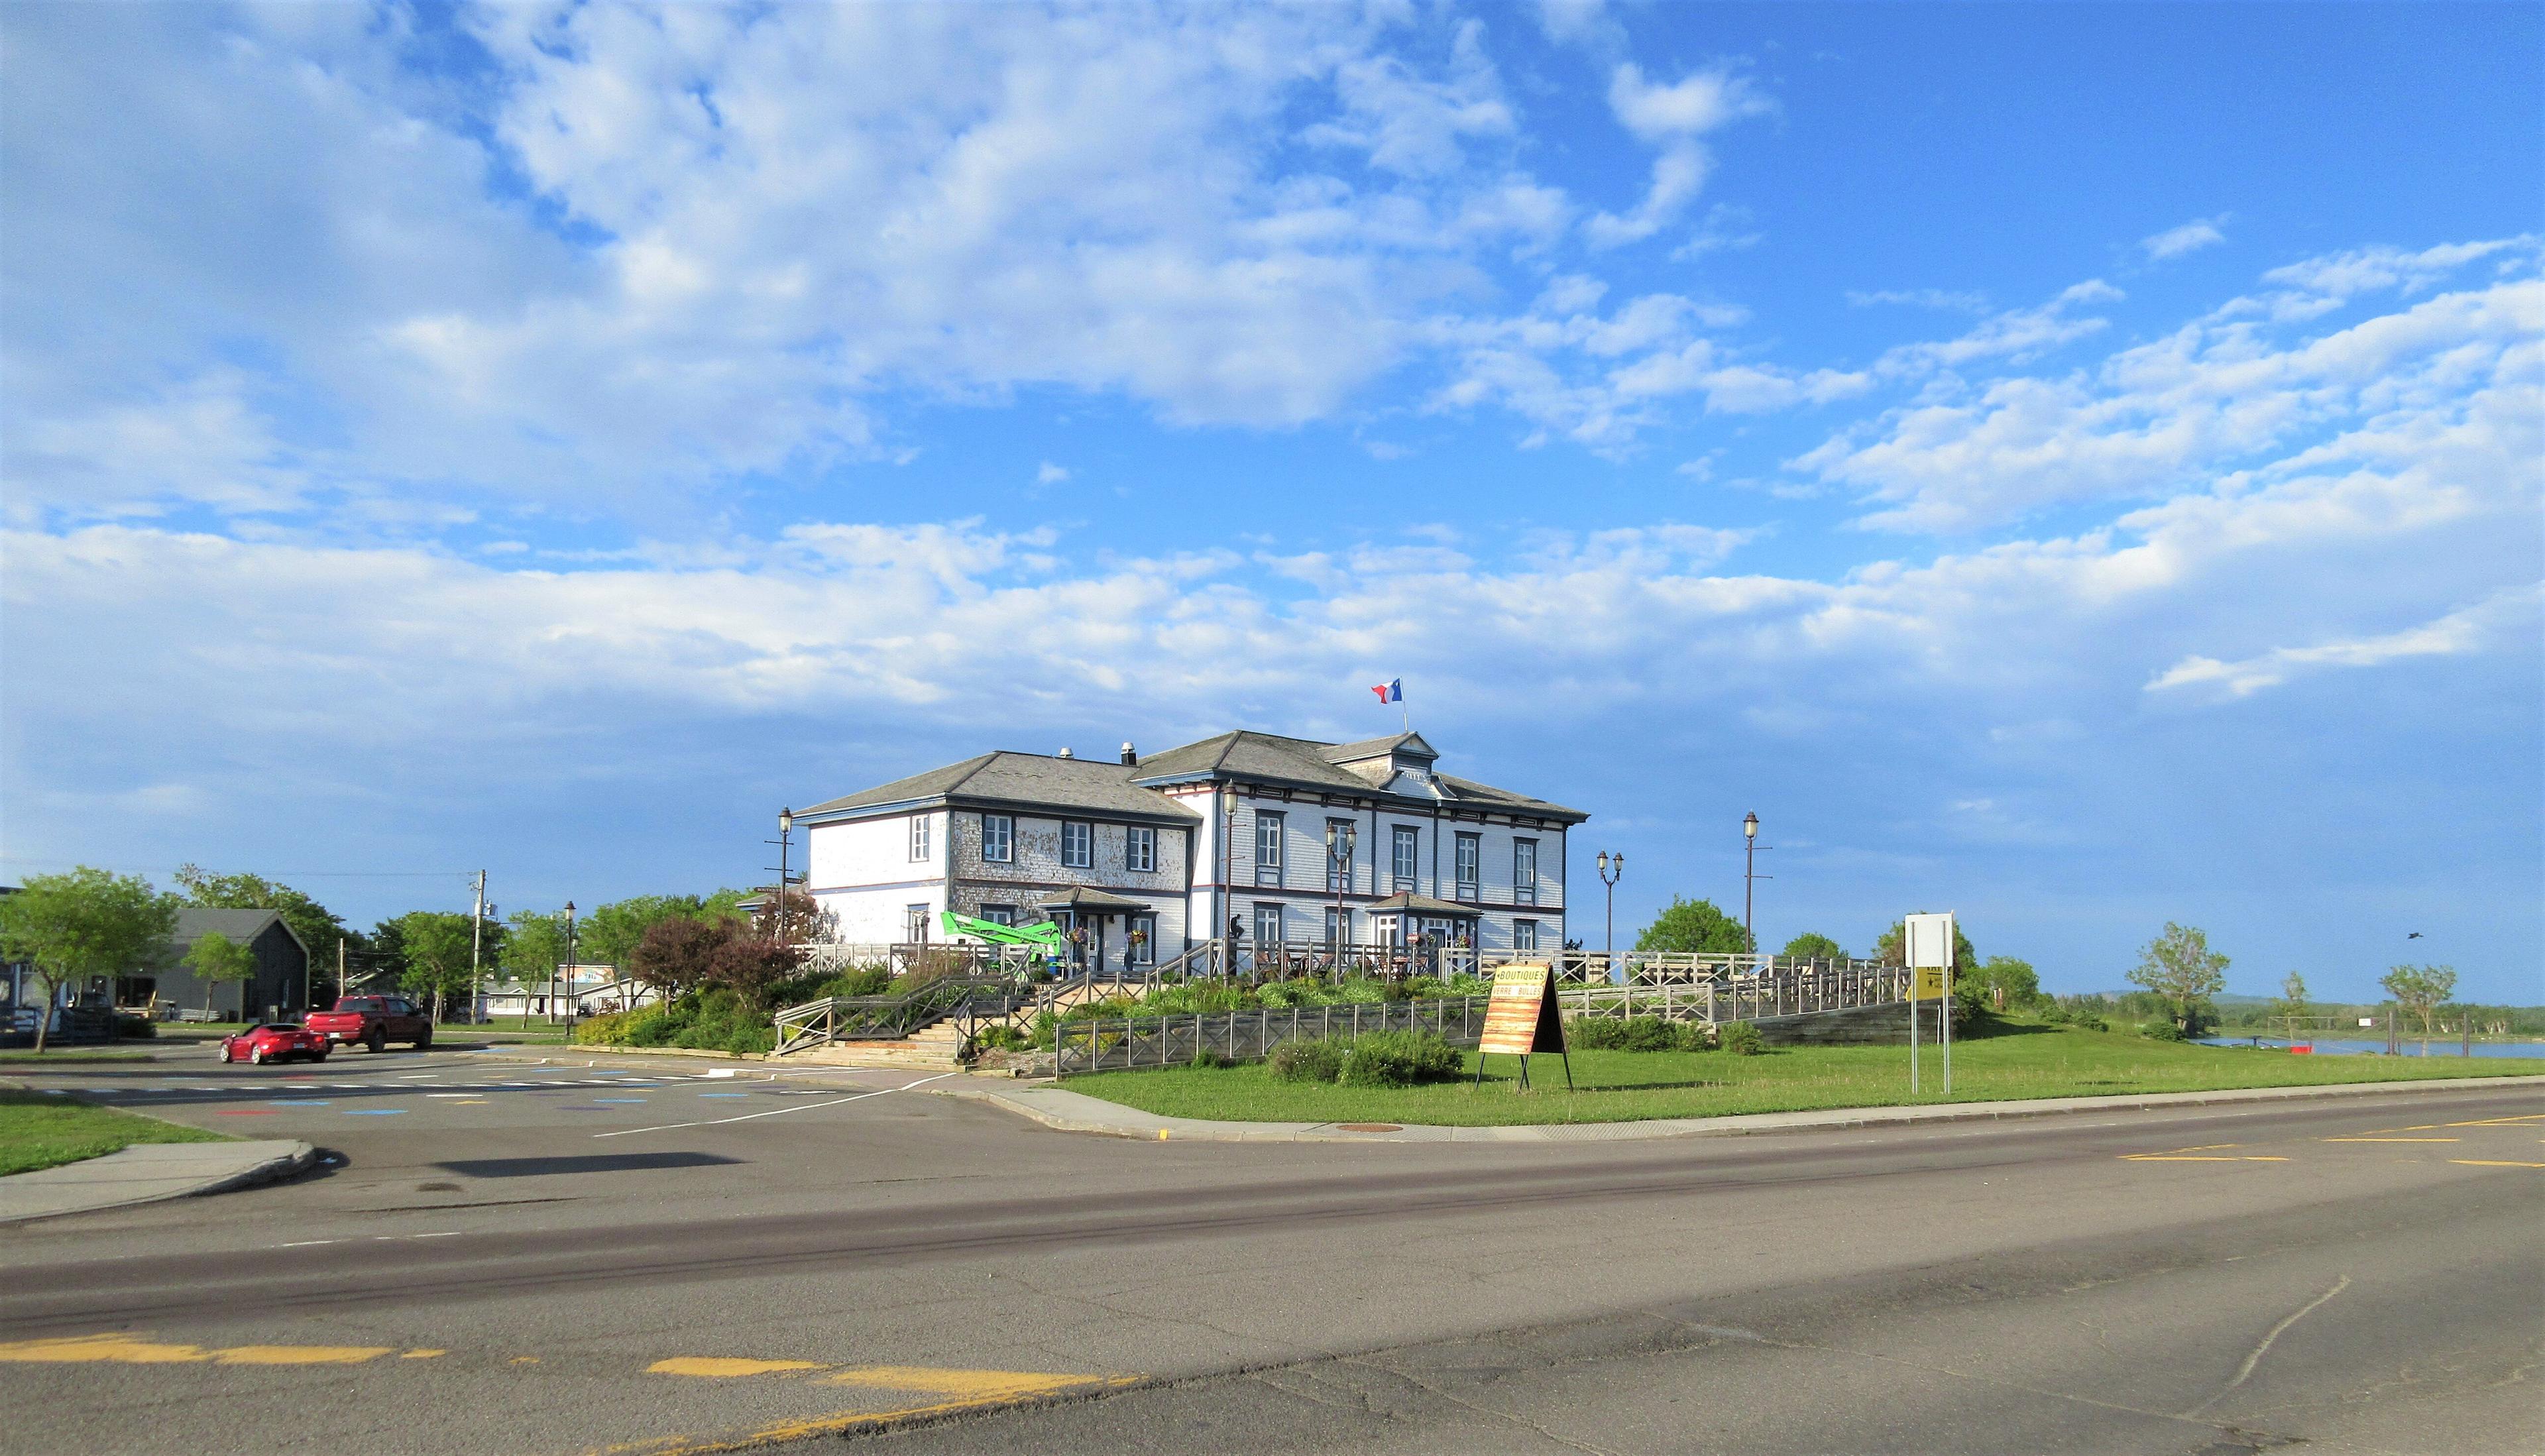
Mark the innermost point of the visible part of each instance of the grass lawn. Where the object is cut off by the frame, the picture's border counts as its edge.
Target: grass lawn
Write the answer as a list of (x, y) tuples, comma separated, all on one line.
[(61, 1053), (40, 1131), (2018, 1061)]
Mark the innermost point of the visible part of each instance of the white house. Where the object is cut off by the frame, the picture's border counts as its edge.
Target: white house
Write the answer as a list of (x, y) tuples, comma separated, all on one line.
[(1266, 838)]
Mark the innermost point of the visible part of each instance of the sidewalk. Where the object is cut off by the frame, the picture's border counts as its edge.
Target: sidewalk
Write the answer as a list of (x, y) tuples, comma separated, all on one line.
[(148, 1172), (1069, 1112)]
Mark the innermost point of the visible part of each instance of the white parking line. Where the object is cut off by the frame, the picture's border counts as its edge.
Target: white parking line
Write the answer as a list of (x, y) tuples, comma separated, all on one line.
[(775, 1111)]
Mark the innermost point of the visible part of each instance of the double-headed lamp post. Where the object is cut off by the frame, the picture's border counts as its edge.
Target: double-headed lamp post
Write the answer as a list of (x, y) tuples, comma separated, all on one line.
[(569, 966), (1749, 877), (1340, 836), (1612, 867)]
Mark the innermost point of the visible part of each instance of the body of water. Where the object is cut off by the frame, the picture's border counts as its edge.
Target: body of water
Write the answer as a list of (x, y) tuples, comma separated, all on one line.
[(2336, 1046)]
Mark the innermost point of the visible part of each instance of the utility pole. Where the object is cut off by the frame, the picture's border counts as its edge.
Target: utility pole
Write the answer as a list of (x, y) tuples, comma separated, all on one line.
[(340, 968)]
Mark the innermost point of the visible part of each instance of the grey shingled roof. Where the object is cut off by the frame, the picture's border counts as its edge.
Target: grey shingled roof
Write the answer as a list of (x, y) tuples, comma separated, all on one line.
[(1310, 763), (1023, 781), (242, 926)]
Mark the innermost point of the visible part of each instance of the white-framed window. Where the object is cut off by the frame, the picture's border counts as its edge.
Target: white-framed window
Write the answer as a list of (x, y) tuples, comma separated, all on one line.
[(1523, 935), (1403, 859), (999, 915), (1338, 926), (1268, 847), (1524, 872), (1268, 925), (1470, 862), (1077, 844), (1144, 940), (1387, 929), (918, 836), (1140, 849), (999, 838), (914, 924)]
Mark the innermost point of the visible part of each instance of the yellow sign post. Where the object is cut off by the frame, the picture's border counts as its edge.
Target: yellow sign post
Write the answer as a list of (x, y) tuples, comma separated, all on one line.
[(1930, 984), (1522, 1017)]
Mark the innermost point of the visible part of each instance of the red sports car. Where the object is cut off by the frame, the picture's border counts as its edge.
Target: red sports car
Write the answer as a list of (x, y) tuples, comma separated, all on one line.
[(275, 1041)]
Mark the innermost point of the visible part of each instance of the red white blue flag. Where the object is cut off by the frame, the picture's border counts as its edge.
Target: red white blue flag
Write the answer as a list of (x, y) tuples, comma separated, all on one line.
[(1391, 691)]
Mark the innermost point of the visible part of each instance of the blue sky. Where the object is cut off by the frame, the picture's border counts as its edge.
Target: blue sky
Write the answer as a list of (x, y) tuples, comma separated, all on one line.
[(2073, 464)]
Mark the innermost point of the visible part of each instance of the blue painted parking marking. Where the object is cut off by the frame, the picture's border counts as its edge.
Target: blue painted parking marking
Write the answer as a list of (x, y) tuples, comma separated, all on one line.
[(619, 1100), (301, 1102), (375, 1111)]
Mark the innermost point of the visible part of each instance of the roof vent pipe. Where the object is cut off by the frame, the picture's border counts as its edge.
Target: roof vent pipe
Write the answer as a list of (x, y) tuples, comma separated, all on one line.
[(1066, 753), (1129, 757)]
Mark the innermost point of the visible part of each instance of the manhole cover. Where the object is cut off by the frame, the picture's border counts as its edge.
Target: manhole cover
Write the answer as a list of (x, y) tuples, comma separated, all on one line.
[(1369, 1127)]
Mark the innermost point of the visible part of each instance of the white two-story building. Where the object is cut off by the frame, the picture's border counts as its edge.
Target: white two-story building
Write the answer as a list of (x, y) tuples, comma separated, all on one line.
[(1261, 839)]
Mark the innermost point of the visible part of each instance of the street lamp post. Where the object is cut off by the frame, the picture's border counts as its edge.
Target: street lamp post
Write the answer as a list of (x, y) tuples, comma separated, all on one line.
[(1749, 878), (1340, 836), (1612, 869), (785, 831), (569, 973)]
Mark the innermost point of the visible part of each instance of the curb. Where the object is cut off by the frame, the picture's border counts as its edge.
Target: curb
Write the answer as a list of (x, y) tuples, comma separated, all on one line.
[(1122, 1121), (279, 1166)]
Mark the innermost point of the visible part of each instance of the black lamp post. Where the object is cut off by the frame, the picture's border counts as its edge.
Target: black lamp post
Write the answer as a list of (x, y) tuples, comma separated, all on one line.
[(569, 973), (1612, 869), (1749, 877), (1339, 835), (786, 830)]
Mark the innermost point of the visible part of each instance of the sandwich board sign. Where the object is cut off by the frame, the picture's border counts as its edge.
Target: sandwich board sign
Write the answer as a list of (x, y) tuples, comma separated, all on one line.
[(1521, 1018)]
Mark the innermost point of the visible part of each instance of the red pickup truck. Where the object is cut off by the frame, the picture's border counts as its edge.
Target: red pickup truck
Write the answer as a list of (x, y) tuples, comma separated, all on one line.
[(372, 1020)]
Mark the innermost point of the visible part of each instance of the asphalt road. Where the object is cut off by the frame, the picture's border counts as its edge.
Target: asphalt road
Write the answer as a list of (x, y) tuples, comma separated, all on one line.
[(590, 1259)]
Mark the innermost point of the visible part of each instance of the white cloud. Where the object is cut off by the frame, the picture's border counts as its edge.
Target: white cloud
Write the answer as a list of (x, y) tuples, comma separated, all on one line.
[(1050, 474), (1670, 117), (2459, 634), (2190, 237), (2218, 396), (1968, 302)]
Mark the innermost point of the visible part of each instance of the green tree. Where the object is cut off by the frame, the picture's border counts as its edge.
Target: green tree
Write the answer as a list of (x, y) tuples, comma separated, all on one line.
[(218, 959), (318, 927), (534, 946), (2002, 983), (1812, 946), (1693, 924), (2293, 998), (610, 934), (681, 954), (85, 924), (2420, 989), (2179, 967), (433, 948)]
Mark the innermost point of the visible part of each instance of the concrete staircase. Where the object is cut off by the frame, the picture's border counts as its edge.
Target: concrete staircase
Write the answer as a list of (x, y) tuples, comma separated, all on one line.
[(933, 1049)]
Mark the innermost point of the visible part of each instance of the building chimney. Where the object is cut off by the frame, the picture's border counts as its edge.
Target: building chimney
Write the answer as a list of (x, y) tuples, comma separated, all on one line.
[(1066, 753), (1128, 757)]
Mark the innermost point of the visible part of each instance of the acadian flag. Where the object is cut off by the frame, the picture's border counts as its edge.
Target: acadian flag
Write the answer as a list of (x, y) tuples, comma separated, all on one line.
[(1391, 691)]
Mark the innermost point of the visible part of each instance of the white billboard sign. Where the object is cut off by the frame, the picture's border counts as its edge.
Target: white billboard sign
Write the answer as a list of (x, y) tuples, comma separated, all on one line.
[(1931, 940)]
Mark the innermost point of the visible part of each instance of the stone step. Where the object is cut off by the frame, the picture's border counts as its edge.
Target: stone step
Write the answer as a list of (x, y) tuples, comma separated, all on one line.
[(931, 1056)]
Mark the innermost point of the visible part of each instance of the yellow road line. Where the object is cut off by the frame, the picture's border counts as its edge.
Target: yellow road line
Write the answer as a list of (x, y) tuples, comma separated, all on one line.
[(2392, 1140), (978, 1384), (2179, 1158), (2488, 1163), (842, 1423), (723, 1367), (125, 1349), (424, 1354)]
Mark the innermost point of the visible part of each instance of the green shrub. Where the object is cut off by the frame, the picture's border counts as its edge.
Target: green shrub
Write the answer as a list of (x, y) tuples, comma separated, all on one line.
[(999, 1038), (1400, 1059), (132, 1027), (2162, 1031), (1594, 1034), (1205, 1057), (1359, 989), (1318, 1060), (606, 1029), (1649, 1034), (1740, 1039)]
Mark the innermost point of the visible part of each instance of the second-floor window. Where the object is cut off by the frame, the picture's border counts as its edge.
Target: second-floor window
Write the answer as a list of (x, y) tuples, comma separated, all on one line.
[(1140, 849), (1525, 874), (1471, 856), (997, 839), (1077, 845), (1268, 849), (919, 837), (1402, 860)]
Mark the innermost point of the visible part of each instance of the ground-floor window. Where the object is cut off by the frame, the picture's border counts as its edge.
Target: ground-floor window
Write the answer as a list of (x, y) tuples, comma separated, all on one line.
[(914, 924), (1523, 935), (1337, 926), (1268, 925), (999, 915), (1144, 940)]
